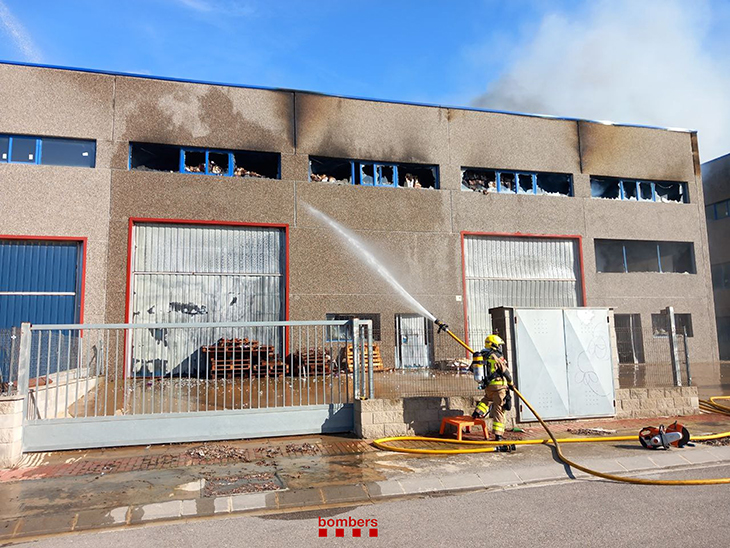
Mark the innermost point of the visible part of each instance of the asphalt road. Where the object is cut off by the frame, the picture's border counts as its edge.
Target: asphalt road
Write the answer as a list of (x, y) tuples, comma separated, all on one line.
[(573, 513)]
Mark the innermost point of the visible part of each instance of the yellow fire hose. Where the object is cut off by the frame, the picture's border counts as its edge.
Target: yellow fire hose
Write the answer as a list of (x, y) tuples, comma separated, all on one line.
[(490, 446)]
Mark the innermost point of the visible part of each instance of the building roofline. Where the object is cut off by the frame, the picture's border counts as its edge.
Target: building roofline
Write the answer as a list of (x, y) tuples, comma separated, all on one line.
[(722, 157), (351, 97)]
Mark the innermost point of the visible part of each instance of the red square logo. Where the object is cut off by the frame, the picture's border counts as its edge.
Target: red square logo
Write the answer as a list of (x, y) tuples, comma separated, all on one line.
[(323, 532), (339, 532), (357, 532), (373, 532)]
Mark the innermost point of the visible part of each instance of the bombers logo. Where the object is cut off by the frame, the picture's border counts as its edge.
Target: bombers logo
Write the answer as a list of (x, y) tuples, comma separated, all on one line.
[(358, 527)]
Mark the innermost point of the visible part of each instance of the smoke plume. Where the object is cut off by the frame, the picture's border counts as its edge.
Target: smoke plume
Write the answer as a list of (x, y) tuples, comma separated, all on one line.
[(647, 62)]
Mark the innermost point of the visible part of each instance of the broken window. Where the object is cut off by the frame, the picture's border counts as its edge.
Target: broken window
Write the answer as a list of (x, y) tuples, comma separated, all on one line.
[(418, 176), (631, 189), (554, 184), (149, 157), (644, 256), (367, 174), (660, 324), (256, 164), (628, 190), (605, 188), (525, 183), (479, 180), (676, 257), (218, 163), (670, 192), (515, 182), (629, 339), (330, 170), (646, 192), (386, 176), (236, 163), (194, 161), (505, 182)]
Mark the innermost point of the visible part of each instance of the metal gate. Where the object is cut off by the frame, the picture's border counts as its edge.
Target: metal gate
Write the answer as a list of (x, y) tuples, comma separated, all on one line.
[(564, 362), (84, 388)]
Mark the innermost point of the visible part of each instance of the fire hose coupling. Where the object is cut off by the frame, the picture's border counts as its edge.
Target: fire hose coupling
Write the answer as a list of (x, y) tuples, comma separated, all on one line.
[(442, 326)]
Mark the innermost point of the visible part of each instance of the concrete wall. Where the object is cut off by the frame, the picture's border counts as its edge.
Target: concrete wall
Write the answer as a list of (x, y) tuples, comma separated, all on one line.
[(634, 403), (417, 232), (71, 202)]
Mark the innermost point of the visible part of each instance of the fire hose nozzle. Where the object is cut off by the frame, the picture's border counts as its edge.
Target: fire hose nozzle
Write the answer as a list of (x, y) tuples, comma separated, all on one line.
[(442, 326)]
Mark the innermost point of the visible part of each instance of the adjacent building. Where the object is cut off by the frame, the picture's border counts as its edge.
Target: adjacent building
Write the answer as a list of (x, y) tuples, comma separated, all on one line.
[(717, 205), (136, 199)]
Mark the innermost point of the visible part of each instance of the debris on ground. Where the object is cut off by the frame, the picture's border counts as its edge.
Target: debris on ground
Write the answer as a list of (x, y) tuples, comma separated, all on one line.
[(269, 452), (306, 448), (248, 483), (215, 451), (591, 431), (720, 442)]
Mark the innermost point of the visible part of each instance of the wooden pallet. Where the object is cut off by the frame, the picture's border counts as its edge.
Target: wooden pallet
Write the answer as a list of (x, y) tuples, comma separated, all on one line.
[(241, 357), (377, 360), (315, 361)]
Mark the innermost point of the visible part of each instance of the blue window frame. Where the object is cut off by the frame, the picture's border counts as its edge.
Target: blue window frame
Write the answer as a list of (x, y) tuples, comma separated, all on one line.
[(56, 151), (372, 173), (638, 190), (626, 256), (718, 210), (204, 161), (516, 182)]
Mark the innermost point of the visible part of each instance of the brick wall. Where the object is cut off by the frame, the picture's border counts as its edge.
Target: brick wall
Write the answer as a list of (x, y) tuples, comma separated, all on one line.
[(656, 402), (11, 430), (416, 416)]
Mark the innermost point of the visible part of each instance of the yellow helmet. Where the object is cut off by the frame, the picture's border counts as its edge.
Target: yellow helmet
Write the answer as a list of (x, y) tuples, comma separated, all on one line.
[(493, 341)]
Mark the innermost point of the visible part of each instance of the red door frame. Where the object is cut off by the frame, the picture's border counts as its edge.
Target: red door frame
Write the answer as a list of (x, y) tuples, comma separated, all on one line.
[(465, 233), (130, 249), (83, 240)]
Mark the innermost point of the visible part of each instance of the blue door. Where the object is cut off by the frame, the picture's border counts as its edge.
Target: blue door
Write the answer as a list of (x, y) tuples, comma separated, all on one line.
[(39, 283)]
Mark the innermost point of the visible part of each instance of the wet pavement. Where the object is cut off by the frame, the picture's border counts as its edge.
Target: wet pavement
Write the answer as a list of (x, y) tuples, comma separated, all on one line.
[(73, 491)]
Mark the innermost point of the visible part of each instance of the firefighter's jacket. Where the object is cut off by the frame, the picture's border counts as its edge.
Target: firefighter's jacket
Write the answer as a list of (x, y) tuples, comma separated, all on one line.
[(496, 372)]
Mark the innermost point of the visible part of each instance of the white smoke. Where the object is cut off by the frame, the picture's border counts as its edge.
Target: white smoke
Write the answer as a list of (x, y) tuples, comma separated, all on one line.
[(637, 62), (17, 33)]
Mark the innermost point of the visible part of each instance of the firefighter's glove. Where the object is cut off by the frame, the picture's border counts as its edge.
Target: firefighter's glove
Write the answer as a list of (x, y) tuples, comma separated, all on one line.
[(511, 386), (507, 405)]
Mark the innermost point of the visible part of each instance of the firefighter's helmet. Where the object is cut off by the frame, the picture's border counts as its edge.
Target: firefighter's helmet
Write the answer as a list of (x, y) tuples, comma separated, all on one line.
[(493, 341)]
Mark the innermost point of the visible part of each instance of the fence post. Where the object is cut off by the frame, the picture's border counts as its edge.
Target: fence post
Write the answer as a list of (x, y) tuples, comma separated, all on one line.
[(24, 365), (371, 379), (673, 350), (356, 357), (686, 358)]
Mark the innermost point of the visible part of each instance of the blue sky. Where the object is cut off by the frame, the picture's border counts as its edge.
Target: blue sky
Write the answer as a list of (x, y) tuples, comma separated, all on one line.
[(656, 62)]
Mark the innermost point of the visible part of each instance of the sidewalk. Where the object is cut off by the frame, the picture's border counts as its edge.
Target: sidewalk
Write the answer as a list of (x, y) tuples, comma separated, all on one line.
[(51, 493)]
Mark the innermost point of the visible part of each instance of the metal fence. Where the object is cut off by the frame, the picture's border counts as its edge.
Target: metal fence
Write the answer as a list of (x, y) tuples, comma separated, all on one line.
[(74, 371), (445, 372), (9, 349), (646, 361)]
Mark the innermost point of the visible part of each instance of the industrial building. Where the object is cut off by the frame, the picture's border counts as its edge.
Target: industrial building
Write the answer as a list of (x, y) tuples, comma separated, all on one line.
[(716, 175), (139, 199)]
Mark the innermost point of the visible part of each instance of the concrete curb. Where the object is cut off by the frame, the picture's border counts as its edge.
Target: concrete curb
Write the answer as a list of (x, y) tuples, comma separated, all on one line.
[(286, 500)]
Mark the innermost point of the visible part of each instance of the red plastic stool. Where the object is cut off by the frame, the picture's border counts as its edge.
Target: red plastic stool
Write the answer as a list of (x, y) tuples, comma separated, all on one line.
[(463, 421)]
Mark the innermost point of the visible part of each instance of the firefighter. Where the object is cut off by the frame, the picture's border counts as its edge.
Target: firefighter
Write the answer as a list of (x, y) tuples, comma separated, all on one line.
[(496, 380)]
